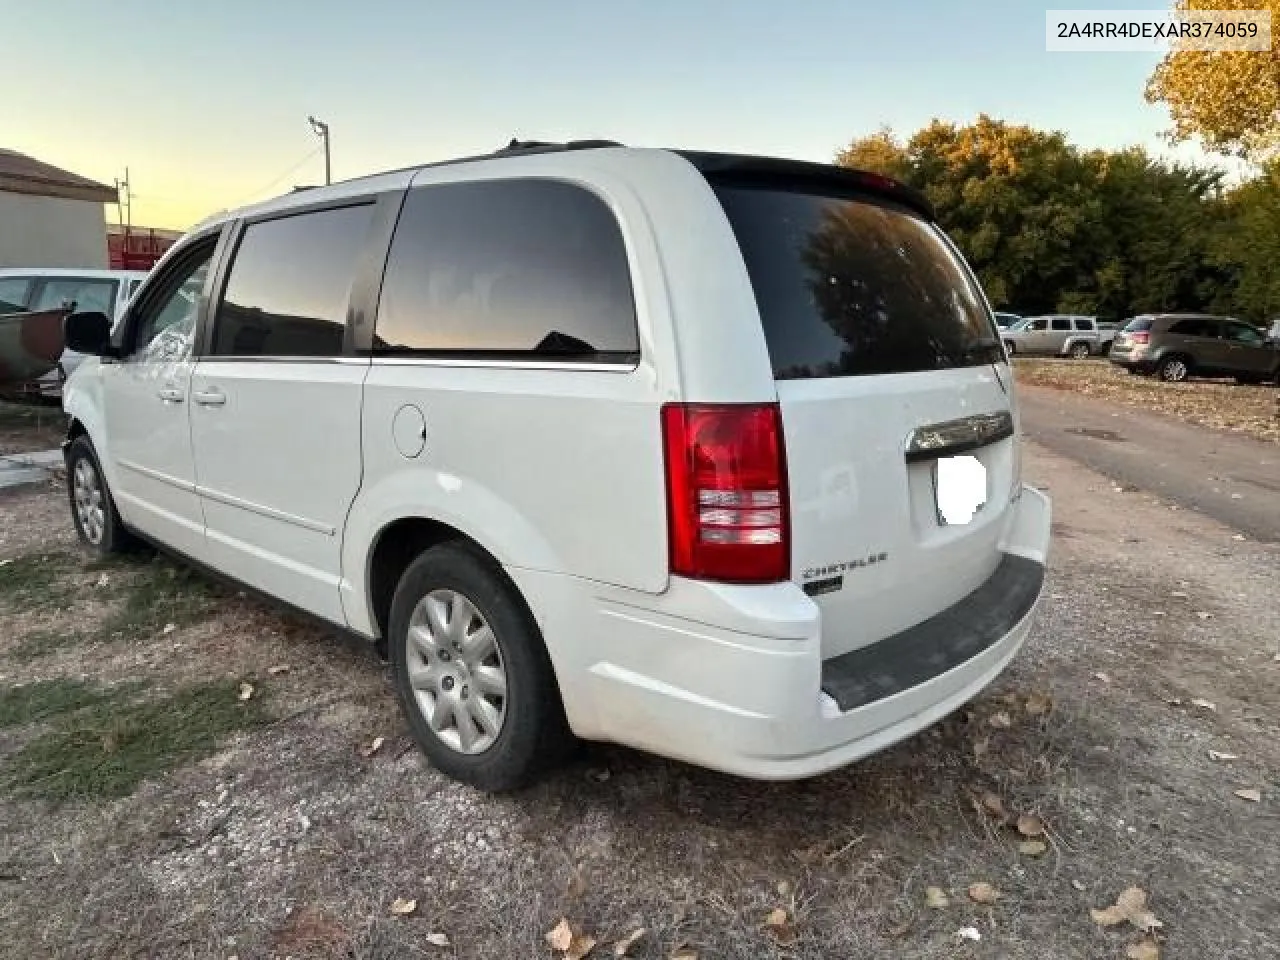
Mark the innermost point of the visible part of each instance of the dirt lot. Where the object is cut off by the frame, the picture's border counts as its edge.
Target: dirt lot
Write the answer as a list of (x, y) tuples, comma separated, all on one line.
[(27, 427), (1224, 404), (146, 810)]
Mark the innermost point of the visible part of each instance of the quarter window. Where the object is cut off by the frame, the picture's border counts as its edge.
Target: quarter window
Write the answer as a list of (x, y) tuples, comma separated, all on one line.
[(512, 268), (1194, 327), (1242, 333), (1061, 323), (1084, 323), (289, 285), (79, 293), (13, 294)]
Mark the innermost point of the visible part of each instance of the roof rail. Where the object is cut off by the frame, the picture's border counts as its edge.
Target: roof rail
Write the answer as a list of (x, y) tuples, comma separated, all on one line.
[(544, 146)]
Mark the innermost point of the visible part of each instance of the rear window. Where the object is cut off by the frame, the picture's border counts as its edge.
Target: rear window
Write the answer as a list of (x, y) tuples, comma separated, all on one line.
[(856, 286), (1137, 325)]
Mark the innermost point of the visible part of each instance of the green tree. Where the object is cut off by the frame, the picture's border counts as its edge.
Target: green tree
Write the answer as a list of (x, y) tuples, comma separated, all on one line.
[(1247, 246)]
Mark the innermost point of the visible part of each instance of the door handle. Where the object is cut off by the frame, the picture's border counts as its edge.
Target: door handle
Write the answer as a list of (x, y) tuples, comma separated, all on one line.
[(172, 395), (210, 398)]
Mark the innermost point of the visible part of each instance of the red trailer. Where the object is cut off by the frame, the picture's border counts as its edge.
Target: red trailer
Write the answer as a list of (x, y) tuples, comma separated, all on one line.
[(137, 248)]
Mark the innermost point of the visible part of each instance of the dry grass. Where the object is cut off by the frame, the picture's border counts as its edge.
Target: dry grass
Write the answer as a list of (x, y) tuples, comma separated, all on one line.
[(286, 841), (1222, 404)]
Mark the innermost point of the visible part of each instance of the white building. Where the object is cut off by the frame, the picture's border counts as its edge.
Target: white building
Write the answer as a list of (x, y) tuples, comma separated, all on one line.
[(50, 217)]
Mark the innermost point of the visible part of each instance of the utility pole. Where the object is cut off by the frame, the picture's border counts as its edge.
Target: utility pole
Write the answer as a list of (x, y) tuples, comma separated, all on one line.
[(321, 130), (124, 201)]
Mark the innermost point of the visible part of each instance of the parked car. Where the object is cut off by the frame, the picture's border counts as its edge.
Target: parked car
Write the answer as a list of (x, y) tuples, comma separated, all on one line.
[(46, 290), (1006, 320), (1055, 335), (577, 468), (1174, 346)]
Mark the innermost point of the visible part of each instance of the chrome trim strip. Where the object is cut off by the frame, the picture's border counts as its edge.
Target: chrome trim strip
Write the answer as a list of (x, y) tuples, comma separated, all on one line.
[(500, 364), (185, 485), (958, 436), (271, 512)]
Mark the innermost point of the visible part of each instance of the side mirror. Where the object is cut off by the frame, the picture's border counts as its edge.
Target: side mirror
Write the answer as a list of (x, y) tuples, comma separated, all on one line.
[(88, 332)]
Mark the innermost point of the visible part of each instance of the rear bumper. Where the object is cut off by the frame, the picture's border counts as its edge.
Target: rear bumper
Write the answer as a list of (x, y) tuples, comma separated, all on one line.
[(731, 678)]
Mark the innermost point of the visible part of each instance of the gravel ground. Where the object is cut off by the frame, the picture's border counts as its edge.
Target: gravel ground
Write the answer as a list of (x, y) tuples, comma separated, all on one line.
[(1223, 404), (290, 841)]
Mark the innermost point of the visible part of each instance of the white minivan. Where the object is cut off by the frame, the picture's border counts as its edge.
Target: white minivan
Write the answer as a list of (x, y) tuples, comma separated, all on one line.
[(671, 449)]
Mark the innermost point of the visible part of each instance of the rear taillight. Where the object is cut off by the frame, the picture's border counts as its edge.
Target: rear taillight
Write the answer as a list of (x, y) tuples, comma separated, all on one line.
[(1142, 336), (727, 512)]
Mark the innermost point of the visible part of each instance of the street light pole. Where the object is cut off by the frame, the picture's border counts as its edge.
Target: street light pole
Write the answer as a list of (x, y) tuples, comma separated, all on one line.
[(321, 130)]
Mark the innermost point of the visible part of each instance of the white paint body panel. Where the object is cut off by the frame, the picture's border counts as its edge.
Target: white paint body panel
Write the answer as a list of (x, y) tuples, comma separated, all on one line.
[(278, 466), (557, 471)]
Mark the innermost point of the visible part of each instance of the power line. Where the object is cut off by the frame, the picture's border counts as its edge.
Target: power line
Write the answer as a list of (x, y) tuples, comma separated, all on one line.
[(269, 186)]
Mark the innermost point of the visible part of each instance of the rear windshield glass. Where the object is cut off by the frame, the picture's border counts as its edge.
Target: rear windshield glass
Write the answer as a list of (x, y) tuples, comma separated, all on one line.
[(850, 287), (1138, 324)]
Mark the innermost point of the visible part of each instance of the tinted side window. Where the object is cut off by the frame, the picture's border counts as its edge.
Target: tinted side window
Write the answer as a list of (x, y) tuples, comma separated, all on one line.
[(14, 292), (1061, 323), (513, 267), (1084, 323), (290, 280), (1243, 333), (1193, 327)]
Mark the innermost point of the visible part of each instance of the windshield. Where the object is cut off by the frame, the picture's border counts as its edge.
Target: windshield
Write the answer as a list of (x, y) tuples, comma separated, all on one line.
[(1138, 324), (856, 286)]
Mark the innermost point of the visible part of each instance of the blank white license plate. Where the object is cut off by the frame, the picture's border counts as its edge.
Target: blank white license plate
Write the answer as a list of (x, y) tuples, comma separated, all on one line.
[(959, 488)]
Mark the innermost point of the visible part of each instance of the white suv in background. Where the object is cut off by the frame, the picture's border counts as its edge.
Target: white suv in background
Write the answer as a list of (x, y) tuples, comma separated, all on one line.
[(53, 288), (671, 449)]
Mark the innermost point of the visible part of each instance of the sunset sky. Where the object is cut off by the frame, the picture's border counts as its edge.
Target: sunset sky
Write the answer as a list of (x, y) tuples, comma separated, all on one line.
[(206, 104)]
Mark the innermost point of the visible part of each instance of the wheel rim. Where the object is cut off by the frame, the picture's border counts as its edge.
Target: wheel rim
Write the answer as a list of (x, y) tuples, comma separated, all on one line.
[(457, 672), (87, 492), (1080, 352), (1175, 370)]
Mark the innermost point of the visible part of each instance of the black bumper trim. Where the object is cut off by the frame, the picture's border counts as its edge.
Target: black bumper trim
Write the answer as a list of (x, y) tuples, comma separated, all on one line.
[(944, 641)]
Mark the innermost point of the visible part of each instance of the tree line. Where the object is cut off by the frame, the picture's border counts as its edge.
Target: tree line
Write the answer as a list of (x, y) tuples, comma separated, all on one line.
[(1050, 227)]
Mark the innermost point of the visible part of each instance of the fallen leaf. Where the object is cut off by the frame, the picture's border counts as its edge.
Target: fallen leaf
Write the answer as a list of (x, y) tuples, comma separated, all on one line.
[(992, 804), (1178, 593), (684, 953), (582, 945), (1131, 905), (561, 937), (278, 669), (438, 939), (1000, 721), (623, 946), (1029, 825), (1032, 848), (169, 628), (1079, 886), (982, 892), (980, 747), (935, 898), (103, 580), (1204, 614), (783, 888), (373, 747), (1104, 677), (969, 933), (1238, 536), (1253, 795), (1039, 704), (778, 925), (1219, 755), (1145, 949), (401, 907), (246, 691), (1204, 704)]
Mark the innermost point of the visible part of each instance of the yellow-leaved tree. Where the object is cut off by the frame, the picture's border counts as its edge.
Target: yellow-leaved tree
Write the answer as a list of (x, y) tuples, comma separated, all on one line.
[(1230, 99)]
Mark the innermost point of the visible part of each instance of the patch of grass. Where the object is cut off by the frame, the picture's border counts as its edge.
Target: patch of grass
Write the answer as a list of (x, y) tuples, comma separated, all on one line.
[(42, 642), (160, 593), (47, 698), (106, 749), (37, 581)]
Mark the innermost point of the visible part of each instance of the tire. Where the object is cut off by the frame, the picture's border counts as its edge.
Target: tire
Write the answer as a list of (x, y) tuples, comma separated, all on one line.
[(491, 717), (93, 511), (1173, 369), (1251, 379), (1079, 351)]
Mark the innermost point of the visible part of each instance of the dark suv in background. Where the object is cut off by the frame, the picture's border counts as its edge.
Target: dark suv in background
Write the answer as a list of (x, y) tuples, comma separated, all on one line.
[(1175, 346)]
